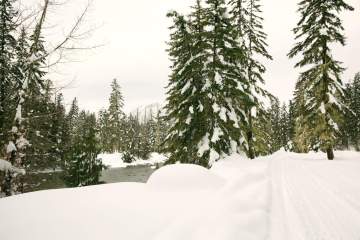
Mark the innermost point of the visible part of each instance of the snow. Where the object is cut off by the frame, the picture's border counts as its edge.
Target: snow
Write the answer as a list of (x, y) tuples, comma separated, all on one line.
[(285, 196), (10, 147), (114, 160), (313, 198), (184, 177), (322, 108), (178, 202), (6, 166), (204, 145)]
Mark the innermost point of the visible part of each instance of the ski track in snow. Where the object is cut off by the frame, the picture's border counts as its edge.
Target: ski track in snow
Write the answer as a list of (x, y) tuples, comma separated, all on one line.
[(314, 199)]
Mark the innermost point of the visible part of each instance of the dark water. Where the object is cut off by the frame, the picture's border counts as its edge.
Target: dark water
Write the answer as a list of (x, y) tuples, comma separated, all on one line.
[(129, 174), (53, 180)]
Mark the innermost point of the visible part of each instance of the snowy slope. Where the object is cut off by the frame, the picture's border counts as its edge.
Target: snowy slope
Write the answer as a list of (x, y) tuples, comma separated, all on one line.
[(282, 197)]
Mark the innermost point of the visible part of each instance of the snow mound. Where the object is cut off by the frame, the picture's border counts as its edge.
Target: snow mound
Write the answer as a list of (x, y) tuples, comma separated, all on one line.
[(184, 177), (285, 196), (178, 202)]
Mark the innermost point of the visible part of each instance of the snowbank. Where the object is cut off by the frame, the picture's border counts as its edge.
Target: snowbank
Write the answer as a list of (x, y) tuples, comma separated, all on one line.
[(178, 202), (286, 196), (114, 160)]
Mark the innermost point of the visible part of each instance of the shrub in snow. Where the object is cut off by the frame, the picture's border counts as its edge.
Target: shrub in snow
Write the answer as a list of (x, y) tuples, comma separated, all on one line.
[(128, 157)]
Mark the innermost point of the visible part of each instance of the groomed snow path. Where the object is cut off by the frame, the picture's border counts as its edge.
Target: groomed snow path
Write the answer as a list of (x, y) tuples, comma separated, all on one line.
[(315, 199)]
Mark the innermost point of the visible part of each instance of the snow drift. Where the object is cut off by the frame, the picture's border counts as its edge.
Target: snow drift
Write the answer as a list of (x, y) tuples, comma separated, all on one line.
[(178, 202), (286, 196)]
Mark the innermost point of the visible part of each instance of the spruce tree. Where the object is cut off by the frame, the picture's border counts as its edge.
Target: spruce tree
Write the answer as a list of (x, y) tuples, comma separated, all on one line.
[(247, 19), (105, 131), (185, 107), (7, 69), (284, 128), (206, 87), (83, 166), (320, 85), (116, 117), (275, 121), (351, 128)]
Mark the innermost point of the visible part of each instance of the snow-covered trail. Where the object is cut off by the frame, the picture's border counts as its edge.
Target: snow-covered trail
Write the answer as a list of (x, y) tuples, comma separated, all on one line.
[(313, 198)]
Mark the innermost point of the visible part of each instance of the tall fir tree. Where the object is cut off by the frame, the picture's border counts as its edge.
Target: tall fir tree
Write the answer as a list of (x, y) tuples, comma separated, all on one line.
[(116, 117), (275, 121), (351, 127), (7, 67), (206, 87), (83, 167), (320, 85), (185, 107), (105, 131), (247, 19)]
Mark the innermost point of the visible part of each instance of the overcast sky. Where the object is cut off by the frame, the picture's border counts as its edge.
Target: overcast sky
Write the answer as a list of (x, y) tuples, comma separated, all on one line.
[(135, 31)]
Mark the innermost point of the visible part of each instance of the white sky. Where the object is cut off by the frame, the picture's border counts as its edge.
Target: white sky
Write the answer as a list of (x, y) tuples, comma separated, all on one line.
[(135, 32)]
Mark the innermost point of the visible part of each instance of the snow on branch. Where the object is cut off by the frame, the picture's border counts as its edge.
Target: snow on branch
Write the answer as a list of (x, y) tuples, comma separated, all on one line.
[(6, 166)]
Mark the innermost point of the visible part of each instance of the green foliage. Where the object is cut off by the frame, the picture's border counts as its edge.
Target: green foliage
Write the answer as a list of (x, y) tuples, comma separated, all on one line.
[(319, 92), (247, 20), (82, 167), (115, 118), (8, 69), (206, 88), (351, 127)]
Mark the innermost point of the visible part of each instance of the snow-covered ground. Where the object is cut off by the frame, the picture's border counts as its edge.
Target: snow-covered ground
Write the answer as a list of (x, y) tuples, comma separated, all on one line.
[(114, 160), (285, 196)]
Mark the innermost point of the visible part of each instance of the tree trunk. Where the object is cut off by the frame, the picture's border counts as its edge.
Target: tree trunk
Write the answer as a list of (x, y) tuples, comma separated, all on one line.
[(330, 153)]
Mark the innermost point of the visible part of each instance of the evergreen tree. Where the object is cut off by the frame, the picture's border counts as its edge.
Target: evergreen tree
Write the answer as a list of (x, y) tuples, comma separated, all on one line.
[(285, 127), (116, 117), (185, 107), (320, 85), (275, 121), (83, 167), (7, 68), (247, 20), (351, 127), (131, 140), (206, 87), (56, 134), (105, 131)]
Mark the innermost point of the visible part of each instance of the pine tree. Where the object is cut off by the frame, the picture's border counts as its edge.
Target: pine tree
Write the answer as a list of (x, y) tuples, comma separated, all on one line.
[(320, 85), (131, 140), (83, 167), (105, 131), (246, 18), (7, 68), (275, 121), (185, 107), (206, 87), (56, 132), (284, 128), (116, 117), (351, 128)]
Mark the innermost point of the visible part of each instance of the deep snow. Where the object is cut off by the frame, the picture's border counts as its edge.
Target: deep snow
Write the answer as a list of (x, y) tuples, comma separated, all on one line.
[(285, 196)]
